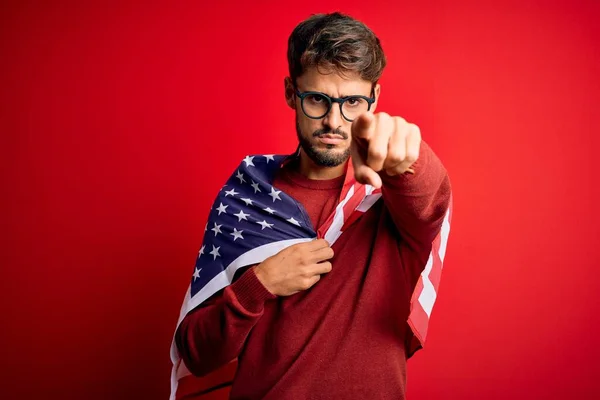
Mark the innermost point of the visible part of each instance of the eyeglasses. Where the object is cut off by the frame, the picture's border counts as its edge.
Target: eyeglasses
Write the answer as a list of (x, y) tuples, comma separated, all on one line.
[(316, 105)]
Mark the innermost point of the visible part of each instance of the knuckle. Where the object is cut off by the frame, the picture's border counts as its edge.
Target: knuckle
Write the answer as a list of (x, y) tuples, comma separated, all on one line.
[(305, 271), (307, 283), (411, 156), (415, 129), (401, 131), (400, 120), (376, 154), (394, 158), (304, 261)]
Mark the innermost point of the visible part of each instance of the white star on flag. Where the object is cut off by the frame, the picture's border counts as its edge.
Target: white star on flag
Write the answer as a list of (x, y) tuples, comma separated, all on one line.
[(221, 208), (265, 224), (293, 221), (248, 161), (217, 229), (231, 192), (215, 252), (247, 201), (275, 194), (269, 157), (197, 273), (255, 187), (269, 210), (241, 216), (201, 250), (237, 234), (240, 176)]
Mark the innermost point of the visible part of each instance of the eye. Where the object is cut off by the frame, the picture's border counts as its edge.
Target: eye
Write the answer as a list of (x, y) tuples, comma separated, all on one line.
[(315, 98), (355, 101)]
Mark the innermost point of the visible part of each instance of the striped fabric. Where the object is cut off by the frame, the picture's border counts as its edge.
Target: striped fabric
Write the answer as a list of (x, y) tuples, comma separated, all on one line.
[(355, 200)]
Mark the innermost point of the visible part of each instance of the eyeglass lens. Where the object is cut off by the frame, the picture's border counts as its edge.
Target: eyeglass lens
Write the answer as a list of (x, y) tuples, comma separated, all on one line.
[(317, 106)]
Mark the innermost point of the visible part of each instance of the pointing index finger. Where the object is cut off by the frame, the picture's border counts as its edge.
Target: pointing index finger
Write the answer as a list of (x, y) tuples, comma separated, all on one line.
[(363, 126)]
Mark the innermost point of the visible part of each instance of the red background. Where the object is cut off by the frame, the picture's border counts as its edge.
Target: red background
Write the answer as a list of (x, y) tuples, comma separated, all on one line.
[(121, 121)]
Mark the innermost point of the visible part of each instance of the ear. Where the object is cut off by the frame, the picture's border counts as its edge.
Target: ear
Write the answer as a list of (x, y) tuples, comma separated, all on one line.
[(376, 92), (290, 92)]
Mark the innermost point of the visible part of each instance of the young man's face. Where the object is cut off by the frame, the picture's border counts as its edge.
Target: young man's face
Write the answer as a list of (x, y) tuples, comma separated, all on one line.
[(326, 140)]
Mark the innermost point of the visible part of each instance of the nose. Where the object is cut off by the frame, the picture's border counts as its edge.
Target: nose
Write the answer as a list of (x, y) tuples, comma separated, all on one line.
[(334, 118)]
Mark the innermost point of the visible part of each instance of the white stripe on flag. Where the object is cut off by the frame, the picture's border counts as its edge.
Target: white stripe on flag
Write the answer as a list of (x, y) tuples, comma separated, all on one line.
[(225, 277), (428, 295), (368, 202), (335, 230), (444, 235)]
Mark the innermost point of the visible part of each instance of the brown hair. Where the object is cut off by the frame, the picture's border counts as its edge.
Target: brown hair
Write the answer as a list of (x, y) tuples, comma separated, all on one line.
[(335, 41)]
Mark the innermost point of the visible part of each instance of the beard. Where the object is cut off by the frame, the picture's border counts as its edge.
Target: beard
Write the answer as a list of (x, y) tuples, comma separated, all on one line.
[(324, 158)]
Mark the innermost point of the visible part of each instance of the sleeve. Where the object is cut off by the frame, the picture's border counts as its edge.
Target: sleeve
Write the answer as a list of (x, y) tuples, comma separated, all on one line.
[(418, 202), (214, 333)]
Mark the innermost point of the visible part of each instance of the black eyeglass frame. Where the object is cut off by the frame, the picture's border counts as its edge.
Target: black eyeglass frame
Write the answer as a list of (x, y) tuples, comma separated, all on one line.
[(331, 100)]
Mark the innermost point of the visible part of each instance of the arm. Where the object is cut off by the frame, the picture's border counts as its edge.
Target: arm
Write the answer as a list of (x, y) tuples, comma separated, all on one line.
[(418, 202), (388, 152), (213, 334)]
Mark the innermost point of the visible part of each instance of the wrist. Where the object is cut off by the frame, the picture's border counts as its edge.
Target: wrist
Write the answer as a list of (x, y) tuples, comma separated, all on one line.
[(250, 292), (261, 276)]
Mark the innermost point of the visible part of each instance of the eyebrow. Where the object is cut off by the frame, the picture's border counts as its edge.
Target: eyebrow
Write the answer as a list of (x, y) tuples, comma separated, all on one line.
[(341, 95)]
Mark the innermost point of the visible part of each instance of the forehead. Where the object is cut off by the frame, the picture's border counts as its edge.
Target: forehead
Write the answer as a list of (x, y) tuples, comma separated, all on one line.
[(333, 82)]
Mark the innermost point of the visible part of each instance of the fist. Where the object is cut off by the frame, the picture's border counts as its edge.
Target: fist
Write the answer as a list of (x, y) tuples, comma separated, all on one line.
[(382, 143)]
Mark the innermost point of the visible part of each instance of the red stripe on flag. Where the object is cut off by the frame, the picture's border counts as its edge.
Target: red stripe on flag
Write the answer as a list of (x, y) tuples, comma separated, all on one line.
[(353, 217), (350, 213), (418, 321), (351, 204), (359, 194), (418, 318), (208, 387)]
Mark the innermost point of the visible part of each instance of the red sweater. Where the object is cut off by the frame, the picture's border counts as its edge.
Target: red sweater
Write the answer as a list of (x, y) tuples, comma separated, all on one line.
[(347, 336)]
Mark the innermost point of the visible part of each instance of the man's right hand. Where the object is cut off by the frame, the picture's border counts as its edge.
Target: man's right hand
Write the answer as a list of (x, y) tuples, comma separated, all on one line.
[(295, 268)]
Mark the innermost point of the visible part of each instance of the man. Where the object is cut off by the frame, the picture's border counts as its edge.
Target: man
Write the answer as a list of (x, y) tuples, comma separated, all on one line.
[(326, 317)]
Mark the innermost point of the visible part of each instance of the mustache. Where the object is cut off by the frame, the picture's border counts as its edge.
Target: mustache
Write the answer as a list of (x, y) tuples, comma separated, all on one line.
[(325, 131)]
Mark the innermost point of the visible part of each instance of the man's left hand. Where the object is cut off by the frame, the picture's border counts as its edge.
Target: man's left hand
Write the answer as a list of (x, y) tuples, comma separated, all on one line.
[(381, 142)]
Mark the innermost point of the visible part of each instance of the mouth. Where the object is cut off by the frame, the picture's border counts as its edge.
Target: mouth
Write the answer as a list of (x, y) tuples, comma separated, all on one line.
[(331, 139)]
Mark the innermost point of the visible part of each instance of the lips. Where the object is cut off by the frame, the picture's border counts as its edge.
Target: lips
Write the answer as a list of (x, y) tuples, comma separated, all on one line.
[(331, 139), (329, 136)]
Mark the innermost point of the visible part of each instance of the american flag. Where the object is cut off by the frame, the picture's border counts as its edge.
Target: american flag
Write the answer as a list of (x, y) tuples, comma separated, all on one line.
[(252, 220), (248, 218)]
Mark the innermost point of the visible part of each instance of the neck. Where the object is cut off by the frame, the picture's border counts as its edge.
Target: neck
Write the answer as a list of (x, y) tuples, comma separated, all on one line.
[(309, 169)]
